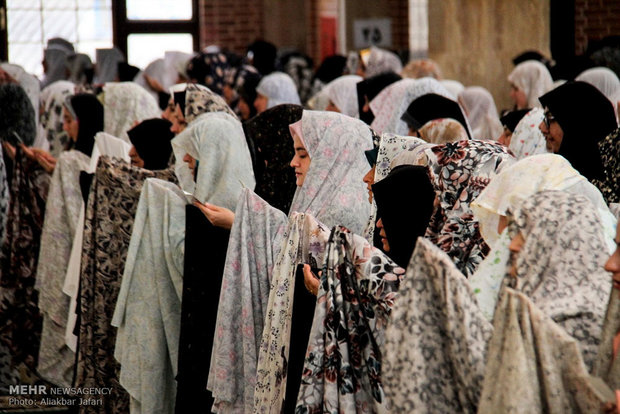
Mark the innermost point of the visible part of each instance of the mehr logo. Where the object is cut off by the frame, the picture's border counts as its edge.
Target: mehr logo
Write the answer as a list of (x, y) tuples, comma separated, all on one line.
[(28, 389)]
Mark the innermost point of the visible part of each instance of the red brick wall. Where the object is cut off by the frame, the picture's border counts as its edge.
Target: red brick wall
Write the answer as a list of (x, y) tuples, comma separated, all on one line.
[(595, 19), (233, 24), (399, 12), (313, 32)]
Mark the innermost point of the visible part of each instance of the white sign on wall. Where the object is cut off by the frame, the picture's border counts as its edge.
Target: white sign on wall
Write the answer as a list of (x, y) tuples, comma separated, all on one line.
[(369, 32)]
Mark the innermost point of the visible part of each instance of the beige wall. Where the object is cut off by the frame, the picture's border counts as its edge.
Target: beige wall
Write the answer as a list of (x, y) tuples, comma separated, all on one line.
[(474, 41), (356, 9)]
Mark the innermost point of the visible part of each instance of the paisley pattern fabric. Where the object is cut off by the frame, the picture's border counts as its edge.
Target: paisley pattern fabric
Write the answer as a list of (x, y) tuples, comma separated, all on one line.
[(609, 148), (342, 92), (392, 102), (304, 242), (20, 319), (436, 341), (527, 139), (62, 210), (343, 365), (333, 190), (52, 101), (459, 171), (148, 309), (268, 133), (199, 100), (563, 253), (126, 103), (110, 212), (534, 366), (251, 247), (224, 167)]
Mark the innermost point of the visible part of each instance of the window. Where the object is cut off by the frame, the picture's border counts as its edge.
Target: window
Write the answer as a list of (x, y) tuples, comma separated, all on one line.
[(30, 23), (146, 29)]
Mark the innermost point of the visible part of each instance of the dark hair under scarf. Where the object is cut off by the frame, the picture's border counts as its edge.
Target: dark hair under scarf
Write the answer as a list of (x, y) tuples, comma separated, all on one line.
[(405, 201), (17, 115), (248, 93), (210, 70), (586, 117), (432, 106), (512, 118), (151, 138), (331, 68), (89, 113), (370, 88), (269, 137)]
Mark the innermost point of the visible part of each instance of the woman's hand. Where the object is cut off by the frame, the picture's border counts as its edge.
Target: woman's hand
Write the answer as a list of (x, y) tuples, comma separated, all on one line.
[(9, 149), (218, 216), (45, 160), (311, 280)]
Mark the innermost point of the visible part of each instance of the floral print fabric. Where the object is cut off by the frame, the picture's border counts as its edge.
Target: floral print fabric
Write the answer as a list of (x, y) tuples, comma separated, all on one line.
[(20, 319), (64, 203), (392, 102), (333, 191), (563, 253), (534, 366), (527, 139), (52, 101), (109, 221), (436, 340), (459, 171), (124, 104), (343, 365), (200, 99), (304, 242), (253, 248), (606, 365)]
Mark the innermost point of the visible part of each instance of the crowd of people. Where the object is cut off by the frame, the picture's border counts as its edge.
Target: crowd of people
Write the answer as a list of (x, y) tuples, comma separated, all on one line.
[(236, 234)]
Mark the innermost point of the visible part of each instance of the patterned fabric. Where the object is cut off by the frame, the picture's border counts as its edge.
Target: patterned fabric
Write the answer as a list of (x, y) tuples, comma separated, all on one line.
[(148, 309), (534, 366), (125, 103), (563, 253), (606, 365), (4, 197), (343, 365), (251, 246), (333, 190), (392, 102), (20, 320), (209, 69), (436, 341), (17, 115), (481, 113), (610, 155), (52, 100), (271, 138), (527, 139), (200, 99), (443, 130), (534, 79), (459, 172), (299, 68), (110, 212), (279, 88), (304, 242), (381, 61), (224, 167), (64, 203), (342, 92)]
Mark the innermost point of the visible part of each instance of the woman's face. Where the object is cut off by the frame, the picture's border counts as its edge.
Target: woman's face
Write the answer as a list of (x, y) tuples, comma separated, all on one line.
[(70, 125), (384, 240), (244, 109), (191, 163), (613, 263), (369, 179), (301, 161), (332, 107), (553, 133), (505, 138), (515, 247), (518, 97), (135, 158), (178, 120), (260, 103)]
